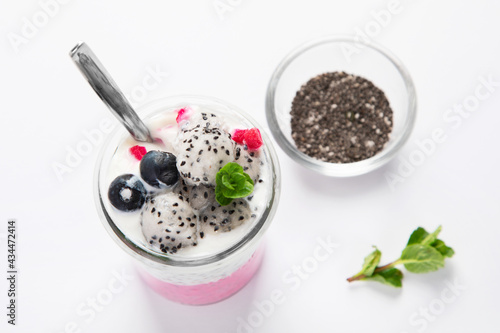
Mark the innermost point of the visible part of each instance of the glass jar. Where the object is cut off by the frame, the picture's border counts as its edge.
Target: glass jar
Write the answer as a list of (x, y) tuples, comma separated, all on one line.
[(198, 280)]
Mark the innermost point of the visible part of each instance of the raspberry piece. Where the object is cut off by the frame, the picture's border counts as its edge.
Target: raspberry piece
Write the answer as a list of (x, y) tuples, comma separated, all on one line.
[(253, 139), (182, 114), (138, 152), (239, 135)]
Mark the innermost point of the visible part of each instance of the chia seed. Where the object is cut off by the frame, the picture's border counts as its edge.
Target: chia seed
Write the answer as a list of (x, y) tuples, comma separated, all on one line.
[(340, 118)]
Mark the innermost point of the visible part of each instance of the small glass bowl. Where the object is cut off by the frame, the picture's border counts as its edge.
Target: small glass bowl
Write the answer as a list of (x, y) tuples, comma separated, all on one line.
[(338, 53)]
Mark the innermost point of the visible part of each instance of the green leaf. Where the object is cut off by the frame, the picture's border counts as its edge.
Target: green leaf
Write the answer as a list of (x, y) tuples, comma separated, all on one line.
[(230, 194), (232, 183), (238, 193), (221, 199), (238, 179), (431, 238), (421, 236), (246, 190), (231, 168), (248, 178), (419, 258), (226, 182), (417, 236), (371, 262), (442, 248), (391, 277)]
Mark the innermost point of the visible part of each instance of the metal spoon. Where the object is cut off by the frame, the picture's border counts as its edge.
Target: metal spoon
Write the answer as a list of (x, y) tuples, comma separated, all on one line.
[(108, 91)]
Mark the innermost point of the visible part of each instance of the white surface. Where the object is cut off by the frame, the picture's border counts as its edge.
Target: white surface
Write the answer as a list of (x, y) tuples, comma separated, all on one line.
[(66, 258)]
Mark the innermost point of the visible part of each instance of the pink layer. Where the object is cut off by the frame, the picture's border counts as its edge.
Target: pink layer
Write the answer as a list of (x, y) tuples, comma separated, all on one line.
[(209, 292)]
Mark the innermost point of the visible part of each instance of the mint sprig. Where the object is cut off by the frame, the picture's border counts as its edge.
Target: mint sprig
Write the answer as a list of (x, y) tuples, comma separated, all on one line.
[(232, 183), (423, 253)]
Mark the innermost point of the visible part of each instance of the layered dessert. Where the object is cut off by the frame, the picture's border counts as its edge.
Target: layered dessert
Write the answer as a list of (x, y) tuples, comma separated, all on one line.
[(196, 192)]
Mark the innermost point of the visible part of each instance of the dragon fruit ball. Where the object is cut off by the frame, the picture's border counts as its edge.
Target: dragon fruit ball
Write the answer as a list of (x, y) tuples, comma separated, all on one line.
[(216, 218), (250, 160), (189, 119), (198, 196), (202, 152), (168, 223)]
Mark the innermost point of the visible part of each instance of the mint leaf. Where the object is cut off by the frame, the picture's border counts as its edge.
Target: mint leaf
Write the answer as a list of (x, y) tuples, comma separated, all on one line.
[(221, 199), (421, 236), (240, 186), (248, 178), (226, 182), (246, 190), (431, 238), (231, 168), (232, 183), (419, 258), (424, 253), (391, 277), (417, 236), (442, 248), (370, 263)]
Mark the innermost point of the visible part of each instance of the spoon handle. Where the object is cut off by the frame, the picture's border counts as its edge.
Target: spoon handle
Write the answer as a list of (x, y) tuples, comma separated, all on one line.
[(108, 91)]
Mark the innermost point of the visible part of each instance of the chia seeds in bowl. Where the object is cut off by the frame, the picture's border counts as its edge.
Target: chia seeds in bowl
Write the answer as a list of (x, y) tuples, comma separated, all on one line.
[(341, 115), (340, 118)]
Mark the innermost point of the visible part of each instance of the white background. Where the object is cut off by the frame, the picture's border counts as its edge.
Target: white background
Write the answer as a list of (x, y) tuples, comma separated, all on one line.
[(66, 258)]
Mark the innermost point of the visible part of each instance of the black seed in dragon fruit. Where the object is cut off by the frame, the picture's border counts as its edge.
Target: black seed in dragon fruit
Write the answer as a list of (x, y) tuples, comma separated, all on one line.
[(168, 223), (202, 152), (198, 196), (216, 218)]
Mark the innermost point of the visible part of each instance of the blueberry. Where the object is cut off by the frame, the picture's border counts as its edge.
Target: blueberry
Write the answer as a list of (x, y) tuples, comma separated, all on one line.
[(127, 193), (158, 167)]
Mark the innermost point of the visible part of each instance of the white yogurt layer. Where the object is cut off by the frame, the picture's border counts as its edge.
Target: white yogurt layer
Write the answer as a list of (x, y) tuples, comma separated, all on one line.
[(165, 128)]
